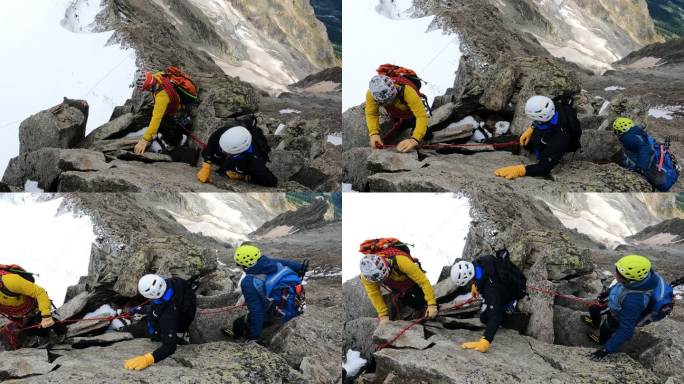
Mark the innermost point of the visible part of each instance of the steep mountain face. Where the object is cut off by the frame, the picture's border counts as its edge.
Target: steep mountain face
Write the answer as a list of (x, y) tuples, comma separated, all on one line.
[(330, 13), (668, 16)]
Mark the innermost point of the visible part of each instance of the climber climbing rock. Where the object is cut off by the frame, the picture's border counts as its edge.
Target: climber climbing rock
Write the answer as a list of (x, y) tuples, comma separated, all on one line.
[(171, 310), (397, 91), (26, 305), (644, 155), (639, 297), (272, 289), (388, 263), (499, 283), (555, 131), (241, 153), (175, 96)]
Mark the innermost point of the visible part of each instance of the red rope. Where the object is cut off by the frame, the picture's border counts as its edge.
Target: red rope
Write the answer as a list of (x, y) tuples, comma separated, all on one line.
[(566, 297), (211, 311), (441, 146)]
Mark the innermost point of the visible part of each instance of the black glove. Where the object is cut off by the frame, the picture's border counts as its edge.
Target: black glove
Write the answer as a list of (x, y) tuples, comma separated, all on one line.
[(304, 269), (603, 296), (599, 354)]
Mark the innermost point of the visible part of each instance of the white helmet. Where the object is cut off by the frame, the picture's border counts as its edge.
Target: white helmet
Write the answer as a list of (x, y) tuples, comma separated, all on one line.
[(382, 88), (374, 268), (462, 272), (235, 140), (152, 286), (540, 108)]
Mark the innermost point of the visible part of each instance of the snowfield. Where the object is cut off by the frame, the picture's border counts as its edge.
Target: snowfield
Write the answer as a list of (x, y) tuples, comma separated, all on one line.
[(43, 240), (381, 31), (435, 223), (50, 53)]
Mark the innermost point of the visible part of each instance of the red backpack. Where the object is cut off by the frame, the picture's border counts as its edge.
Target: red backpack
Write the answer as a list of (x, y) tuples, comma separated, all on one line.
[(389, 248), (180, 87), (404, 77)]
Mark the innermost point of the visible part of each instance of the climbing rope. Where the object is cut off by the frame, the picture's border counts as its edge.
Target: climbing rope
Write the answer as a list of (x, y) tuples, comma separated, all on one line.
[(552, 293), (211, 311), (418, 321)]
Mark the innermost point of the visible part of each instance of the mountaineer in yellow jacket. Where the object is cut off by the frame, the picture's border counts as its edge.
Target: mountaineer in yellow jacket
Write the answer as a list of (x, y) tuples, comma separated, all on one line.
[(169, 107), (26, 304), (405, 107), (391, 266)]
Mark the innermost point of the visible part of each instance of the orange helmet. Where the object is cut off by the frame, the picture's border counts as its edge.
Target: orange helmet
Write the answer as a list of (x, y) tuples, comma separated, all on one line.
[(145, 81)]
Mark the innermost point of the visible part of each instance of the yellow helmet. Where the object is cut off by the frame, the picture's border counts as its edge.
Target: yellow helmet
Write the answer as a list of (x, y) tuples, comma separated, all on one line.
[(247, 255), (633, 267), (622, 125)]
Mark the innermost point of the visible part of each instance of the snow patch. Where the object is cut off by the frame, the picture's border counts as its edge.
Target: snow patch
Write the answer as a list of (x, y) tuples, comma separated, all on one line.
[(395, 9), (280, 130), (335, 138), (57, 63), (501, 127), (80, 15), (288, 111), (614, 88), (32, 187), (604, 108), (433, 54), (437, 230), (665, 111), (346, 187), (353, 363)]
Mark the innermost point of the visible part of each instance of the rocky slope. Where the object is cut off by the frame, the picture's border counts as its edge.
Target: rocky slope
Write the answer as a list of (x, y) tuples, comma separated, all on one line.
[(667, 15), (551, 346), (501, 67), (136, 236), (213, 43)]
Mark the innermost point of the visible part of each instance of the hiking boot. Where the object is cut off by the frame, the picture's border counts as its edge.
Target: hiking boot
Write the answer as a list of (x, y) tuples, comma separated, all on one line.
[(593, 337), (586, 319)]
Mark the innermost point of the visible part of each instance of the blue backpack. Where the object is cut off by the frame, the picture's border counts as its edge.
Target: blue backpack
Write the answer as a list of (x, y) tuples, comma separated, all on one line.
[(663, 171), (659, 301), (287, 292)]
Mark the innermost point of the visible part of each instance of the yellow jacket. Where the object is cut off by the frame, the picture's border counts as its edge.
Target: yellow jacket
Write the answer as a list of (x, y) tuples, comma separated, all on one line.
[(410, 270), (24, 289), (161, 103), (410, 100)]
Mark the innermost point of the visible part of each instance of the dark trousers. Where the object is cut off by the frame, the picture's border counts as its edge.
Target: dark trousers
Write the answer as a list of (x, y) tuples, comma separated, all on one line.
[(413, 298)]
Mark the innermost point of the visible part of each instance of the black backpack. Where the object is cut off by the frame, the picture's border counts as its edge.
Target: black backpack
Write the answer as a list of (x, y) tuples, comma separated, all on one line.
[(510, 275), (258, 138), (186, 301), (568, 121)]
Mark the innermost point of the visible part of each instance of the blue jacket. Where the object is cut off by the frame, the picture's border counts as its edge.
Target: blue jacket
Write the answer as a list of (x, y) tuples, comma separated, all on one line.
[(252, 287), (629, 310), (638, 151)]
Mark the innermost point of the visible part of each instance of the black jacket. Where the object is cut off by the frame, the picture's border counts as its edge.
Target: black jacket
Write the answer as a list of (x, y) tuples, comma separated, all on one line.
[(166, 318), (251, 164), (549, 146), (495, 296)]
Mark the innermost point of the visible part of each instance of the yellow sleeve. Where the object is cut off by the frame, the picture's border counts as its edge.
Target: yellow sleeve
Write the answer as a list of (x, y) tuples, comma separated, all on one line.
[(375, 296), (411, 269), (21, 286), (161, 102), (372, 115), (415, 103)]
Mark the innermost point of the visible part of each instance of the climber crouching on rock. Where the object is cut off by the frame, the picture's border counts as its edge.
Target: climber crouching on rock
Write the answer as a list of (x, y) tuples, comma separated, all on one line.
[(241, 153), (640, 297), (272, 289), (26, 305), (555, 131), (175, 96), (499, 283), (171, 310), (388, 263), (397, 91)]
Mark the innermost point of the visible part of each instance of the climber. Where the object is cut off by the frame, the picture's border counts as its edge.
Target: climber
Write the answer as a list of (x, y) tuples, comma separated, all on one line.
[(388, 263), (174, 95), (26, 305), (241, 153), (555, 131), (171, 310), (399, 95), (640, 296), (499, 283), (272, 289), (644, 155)]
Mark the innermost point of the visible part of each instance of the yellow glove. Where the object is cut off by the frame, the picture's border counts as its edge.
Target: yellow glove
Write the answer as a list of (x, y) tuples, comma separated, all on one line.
[(141, 147), (383, 319), (47, 322), (204, 173), (237, 176), (512, 172), (525, 137), (473, 290), (431, 312), (139, 363), (481, 346), (407, 145), (376, 142)]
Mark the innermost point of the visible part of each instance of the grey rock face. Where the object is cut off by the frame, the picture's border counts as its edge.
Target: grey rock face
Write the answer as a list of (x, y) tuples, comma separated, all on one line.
[(62, 126)]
